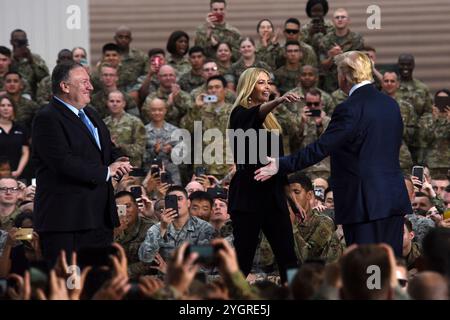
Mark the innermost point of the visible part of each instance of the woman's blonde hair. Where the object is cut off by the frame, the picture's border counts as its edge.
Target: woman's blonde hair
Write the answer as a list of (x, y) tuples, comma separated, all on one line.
[(245, 87), (355, 66)]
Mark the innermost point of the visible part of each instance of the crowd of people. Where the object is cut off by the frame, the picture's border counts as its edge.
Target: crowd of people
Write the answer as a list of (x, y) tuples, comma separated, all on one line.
[(187, 251)]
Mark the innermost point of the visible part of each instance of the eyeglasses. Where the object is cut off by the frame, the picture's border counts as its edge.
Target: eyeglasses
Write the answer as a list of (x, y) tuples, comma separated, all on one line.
[(291, 31), (340, 17), (311, 104), (210, 69), (11, 190)]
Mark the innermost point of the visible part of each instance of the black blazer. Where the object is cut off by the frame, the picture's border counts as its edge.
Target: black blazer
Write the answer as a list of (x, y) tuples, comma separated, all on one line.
[(363, 141), (72, 193)]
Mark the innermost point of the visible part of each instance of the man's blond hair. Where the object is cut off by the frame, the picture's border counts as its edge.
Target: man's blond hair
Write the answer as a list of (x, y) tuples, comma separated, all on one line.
[(355, 66)]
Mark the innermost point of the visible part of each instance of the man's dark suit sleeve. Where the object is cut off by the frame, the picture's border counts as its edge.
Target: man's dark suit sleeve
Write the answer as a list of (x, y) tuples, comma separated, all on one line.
[(340, 128), (51, 144)]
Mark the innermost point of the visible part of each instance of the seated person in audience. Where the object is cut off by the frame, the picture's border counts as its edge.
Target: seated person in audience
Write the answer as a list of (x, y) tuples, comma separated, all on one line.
[(175, 228), (411, 250), (108, 80), (201, 204), (131, 233), (127, 131), (193, 78), (10, 195)]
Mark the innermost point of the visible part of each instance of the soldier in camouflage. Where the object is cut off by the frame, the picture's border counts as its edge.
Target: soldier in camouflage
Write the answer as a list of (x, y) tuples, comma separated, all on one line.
[(412, 90), (108, 80), (213, 115), (216, 29), (178, 101), (338, 96), (291, 33), (248, 60), (317, 231), (127, 131), (434, 138), (390, 85), (44, 88), (411, 250), (131, 233), (5, 63), (268, 46), (315, 29), (178, 46), (30, 65), (286, 77), (174, 229), (342, 40), (134, 61), (193, 79), (25, 108)]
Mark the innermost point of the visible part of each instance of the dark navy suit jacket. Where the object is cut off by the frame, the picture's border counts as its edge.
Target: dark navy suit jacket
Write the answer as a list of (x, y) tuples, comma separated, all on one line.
[(363, 141), (72, 193)]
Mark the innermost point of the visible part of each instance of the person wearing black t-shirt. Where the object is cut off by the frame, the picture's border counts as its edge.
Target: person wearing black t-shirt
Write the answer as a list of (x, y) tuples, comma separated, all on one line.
[(257, 206), (13, 139)]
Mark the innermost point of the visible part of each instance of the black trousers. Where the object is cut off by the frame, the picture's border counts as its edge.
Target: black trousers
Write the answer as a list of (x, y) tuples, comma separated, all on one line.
[(388, 230), (53, 242), (277, 228)]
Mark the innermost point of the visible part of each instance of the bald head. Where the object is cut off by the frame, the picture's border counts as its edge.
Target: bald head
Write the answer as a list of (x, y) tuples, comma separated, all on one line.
[(123, 38), (428, 285), (167, 77)]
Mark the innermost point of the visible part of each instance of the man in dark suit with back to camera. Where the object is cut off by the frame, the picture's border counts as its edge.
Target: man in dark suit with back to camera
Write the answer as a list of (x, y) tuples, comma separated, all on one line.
[(75, 161), (363, 141)]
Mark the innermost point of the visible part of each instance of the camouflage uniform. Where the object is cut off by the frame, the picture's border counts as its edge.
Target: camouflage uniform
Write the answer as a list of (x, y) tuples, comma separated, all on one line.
[(223, 70), (268, 54), (196, 231), (315, 39), (352, 41), (99, 100), (434, 139), (421, 226), (238, 67), (152, 87), (126, 82), (133, 65), (327, 100), (181, 66), (181, 104), (25, 111), (131, 240), (189, 81), (338, 96), (309, 56), (212, 116), (416, 93), (286, 79), (412, 256), (44, 91), (163, 135), (33, 73), (230, 96), (409, 129), (300, 134), (322, 242), (128, 133), (222, 33), (7, 222)]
